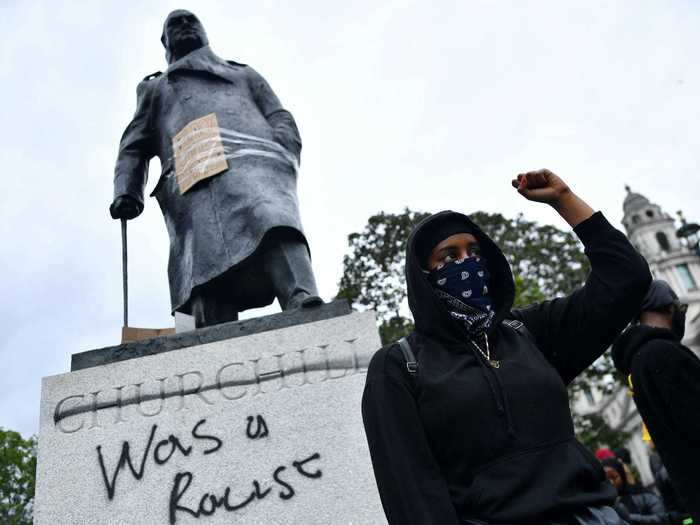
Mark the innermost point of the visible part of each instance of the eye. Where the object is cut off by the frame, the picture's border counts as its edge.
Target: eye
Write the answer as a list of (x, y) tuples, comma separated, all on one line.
[(473, 250), (450, 256)]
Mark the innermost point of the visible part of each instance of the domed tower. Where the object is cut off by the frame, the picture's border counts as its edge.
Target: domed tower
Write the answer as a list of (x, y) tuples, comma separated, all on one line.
[(650, 230), (653, 232)]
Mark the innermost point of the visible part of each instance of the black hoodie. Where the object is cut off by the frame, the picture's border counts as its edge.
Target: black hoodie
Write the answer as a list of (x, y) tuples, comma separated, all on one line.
[(666, 383), (463, 440)]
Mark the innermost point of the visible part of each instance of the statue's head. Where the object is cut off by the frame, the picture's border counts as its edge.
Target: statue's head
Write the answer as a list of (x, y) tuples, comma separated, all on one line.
[(182, 34)]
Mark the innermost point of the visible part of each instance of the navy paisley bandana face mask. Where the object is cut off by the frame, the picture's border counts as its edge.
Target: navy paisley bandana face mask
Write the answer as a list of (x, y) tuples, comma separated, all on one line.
[(463, 287)]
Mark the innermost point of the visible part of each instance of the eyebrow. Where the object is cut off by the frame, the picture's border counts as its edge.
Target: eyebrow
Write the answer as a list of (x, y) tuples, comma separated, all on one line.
[(446, 249), (452, 247)]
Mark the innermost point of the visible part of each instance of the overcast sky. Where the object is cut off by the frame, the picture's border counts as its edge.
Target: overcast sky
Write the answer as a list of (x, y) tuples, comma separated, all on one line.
[(430, 105)]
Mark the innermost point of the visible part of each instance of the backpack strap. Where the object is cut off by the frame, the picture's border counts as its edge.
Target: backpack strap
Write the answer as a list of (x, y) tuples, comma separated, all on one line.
[(516, 325), (519, 327), (411, 363)]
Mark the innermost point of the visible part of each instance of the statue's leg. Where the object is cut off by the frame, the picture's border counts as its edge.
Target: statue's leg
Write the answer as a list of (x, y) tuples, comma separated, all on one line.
[(288, 266), (208, 309)]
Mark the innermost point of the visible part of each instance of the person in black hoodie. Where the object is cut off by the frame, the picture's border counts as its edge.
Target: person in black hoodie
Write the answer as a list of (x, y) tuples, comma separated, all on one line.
[(665, 380), (637, 505), (481, 432)]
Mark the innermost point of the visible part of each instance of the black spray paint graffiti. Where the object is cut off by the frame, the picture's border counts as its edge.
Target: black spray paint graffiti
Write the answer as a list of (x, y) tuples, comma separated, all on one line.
[(209, 503), (260, 429), (163, 451)]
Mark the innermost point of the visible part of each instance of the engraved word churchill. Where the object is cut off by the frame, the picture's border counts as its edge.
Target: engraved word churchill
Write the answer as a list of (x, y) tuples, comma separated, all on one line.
[(228, 382)]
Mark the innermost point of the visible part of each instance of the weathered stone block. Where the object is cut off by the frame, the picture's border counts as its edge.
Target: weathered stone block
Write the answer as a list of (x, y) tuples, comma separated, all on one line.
[(260, 429)]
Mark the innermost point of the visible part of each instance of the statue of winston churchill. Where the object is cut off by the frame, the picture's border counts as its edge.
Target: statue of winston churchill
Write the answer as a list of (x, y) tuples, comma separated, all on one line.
[(229, 154)]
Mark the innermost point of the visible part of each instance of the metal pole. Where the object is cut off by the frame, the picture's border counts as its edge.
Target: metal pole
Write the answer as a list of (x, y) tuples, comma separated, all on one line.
[(125, 275)]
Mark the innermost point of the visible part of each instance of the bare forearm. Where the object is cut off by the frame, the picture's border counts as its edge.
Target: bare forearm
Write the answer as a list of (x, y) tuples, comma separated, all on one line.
[(572, 208), (547, 187)]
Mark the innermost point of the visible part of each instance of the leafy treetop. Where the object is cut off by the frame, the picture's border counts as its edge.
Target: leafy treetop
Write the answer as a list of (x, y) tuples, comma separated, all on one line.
[(17, 478)]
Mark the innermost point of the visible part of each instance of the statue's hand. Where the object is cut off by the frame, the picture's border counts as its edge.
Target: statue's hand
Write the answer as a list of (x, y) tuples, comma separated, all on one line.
[(124, 207)]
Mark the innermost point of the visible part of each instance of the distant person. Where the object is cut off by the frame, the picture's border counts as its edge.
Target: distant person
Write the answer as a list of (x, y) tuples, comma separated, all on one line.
[(665, 379), (623, 454), (638, 506), (468, 419)]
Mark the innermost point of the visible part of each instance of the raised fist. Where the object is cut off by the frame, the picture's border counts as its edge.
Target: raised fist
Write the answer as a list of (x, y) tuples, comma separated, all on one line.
[(540, 186)]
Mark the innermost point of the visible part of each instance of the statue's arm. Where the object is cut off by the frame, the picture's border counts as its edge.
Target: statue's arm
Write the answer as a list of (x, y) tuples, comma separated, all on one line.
[(281, 121), (135, 152)]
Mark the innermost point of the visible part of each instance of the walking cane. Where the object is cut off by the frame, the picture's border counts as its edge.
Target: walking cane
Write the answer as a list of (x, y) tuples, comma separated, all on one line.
[(125, 275), (134, 334)]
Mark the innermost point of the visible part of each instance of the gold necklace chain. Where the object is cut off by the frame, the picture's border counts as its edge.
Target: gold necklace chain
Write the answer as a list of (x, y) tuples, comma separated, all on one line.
[(493, 362)]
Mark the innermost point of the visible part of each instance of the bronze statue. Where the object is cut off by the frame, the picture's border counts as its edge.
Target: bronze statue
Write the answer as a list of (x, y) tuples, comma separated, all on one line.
[(229, 154)]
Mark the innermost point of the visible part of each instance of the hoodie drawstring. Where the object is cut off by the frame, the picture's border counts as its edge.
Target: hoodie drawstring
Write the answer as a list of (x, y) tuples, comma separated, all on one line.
[(484, 372), (501, 406), (509, 419)]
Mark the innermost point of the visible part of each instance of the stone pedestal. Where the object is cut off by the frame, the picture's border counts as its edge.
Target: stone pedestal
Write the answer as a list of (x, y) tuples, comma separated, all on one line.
[(254, 422)]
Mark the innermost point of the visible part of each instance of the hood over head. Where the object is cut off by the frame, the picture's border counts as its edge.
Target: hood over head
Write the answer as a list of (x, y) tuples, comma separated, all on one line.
[(429, 312), (659, 296), (631, 340)]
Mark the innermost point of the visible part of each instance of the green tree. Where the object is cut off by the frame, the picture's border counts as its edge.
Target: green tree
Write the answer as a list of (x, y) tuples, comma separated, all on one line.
[(547, 262), (373, 271), (594, 432), (17, 478)]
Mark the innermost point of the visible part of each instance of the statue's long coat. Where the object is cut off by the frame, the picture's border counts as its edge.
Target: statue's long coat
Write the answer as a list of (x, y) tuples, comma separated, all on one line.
[(216, 226)]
